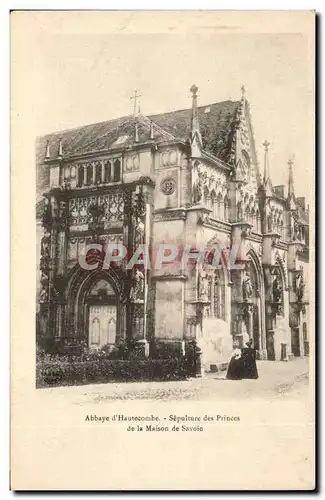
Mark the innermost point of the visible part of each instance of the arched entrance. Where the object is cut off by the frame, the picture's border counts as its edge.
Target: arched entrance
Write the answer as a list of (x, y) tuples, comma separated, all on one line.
[(254, 271), (96, 311)]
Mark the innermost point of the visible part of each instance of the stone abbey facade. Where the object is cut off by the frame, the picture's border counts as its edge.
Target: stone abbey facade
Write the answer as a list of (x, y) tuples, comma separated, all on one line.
[(188, 178)]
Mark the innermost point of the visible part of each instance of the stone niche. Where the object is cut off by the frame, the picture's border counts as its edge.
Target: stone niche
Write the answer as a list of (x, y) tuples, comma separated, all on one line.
[(169, 310)]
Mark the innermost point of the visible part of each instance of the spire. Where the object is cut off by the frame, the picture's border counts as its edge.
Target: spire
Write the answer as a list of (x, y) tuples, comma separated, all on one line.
[(47, 151), (136, 136), (195, 138), (151, 130), (60, 150), (291, 192), (243, 91), (290, 181), (267, 178)]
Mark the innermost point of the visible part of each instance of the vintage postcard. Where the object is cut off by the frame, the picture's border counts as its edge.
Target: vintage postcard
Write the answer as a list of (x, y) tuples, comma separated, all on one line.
[(163, 250)]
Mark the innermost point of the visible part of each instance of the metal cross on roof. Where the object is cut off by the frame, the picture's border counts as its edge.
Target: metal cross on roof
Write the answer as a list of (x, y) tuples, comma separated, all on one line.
[(135, 97)]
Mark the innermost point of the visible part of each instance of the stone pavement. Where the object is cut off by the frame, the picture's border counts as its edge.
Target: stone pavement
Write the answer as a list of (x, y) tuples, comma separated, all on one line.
[(277, 379)]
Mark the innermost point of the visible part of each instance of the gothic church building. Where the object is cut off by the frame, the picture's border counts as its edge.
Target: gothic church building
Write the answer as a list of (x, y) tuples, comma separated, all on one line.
[(189, 178)]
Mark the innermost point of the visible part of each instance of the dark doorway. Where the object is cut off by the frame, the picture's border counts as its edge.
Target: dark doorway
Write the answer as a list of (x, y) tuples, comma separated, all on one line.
[(295, 342)]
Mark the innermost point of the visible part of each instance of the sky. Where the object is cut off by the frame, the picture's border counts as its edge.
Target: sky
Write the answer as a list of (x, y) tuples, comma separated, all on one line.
[(84, 71)]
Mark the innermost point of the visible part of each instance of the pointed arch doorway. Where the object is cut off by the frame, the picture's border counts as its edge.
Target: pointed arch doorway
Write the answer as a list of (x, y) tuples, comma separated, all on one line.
[(102, 315), (254, 271)]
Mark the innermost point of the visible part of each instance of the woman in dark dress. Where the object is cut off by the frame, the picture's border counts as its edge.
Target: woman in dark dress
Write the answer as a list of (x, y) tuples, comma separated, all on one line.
[(235, 366), (249, 361)]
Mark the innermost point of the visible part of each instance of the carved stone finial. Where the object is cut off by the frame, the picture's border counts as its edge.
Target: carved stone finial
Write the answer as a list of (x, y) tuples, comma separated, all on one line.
[(151, 130), (60, 150), (266, 144), (291, 190), (194, 90)]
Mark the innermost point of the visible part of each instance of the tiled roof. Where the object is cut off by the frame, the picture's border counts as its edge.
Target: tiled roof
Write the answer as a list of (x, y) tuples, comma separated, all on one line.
[(215, 122), (216, 125)]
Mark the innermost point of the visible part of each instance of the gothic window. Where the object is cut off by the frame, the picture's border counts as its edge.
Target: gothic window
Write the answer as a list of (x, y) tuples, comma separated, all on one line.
[(89, 174), (81, 171), (117, 171), (225, 208), (220, 211), (73, 172), (246, 165), (107, 176), (172, 158), (98, 173)]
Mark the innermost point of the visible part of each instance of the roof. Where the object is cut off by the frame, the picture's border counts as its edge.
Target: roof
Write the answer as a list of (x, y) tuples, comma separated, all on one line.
[(217, 125), (216, 122)]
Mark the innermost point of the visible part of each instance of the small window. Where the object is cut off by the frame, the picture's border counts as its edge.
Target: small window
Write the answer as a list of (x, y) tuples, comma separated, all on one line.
[(81, 171), (89, 174), (107, 171), (98, 173), (117, 171)]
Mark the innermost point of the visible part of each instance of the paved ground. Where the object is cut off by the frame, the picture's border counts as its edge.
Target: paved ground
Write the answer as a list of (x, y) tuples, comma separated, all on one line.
[(276, 379)]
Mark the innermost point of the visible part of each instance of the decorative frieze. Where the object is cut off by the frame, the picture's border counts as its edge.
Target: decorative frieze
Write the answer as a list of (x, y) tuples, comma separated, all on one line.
[(169, 215)]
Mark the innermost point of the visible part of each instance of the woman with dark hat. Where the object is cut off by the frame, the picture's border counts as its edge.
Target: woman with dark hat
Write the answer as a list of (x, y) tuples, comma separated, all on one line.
[(249, 361)]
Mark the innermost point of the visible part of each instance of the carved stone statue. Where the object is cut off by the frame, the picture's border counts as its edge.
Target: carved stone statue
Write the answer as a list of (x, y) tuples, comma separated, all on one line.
[(45, 253), (44, 296), (277, 290), (247, 287), (47, 214), (137, 290), (300, 286), (203, 286), (197, 191)]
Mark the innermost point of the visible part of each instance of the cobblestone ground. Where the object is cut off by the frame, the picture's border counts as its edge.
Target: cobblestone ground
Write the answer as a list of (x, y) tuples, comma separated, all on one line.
[(276, 379)]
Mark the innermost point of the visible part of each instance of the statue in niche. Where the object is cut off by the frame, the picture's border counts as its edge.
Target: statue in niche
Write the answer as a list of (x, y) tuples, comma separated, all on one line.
[(47, 214), (44, 279), (44, 296), (300, 286), (45, 253), (247, 287), (64, 215), (197, 191), (137, 290), (276, 289), (203, 287)]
